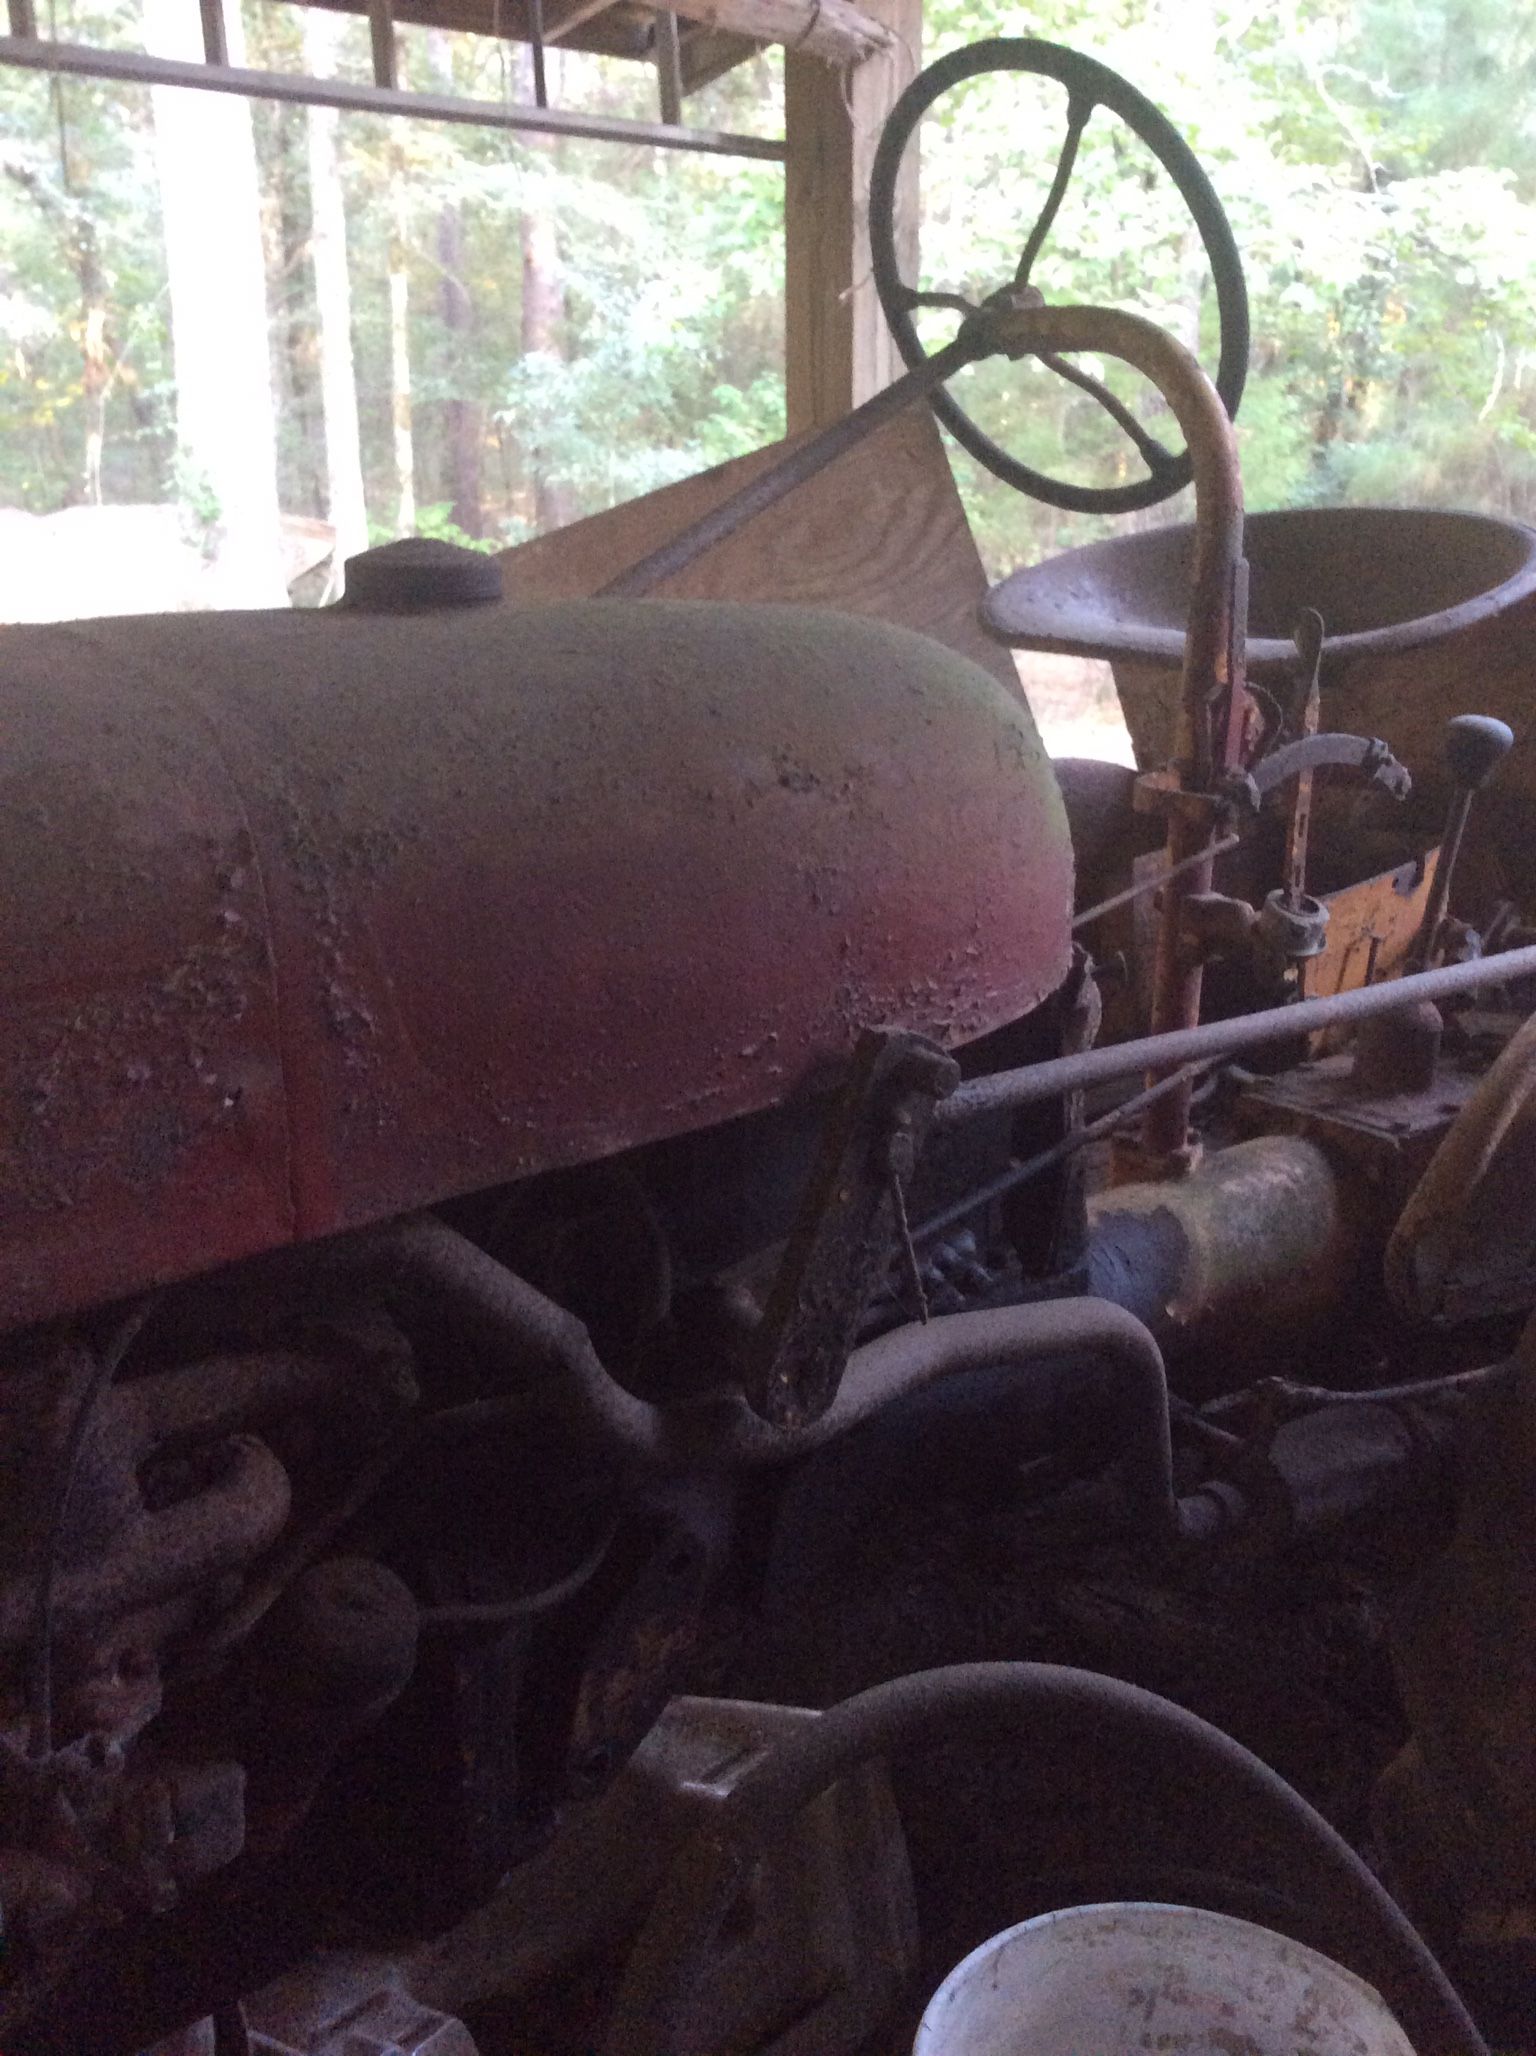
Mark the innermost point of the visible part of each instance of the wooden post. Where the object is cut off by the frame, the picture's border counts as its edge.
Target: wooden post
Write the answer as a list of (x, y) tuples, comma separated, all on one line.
[(838, 351)]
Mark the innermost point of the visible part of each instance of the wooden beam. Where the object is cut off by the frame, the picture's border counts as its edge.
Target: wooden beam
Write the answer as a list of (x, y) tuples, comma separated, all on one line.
[(561, 22), (836, 31), (838, 350), (708, 54)]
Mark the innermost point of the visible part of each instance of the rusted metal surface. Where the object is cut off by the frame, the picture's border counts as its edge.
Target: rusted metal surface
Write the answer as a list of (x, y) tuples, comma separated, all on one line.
[(1384, 579), (1308, 637), (117, 1553), (81, 60), (1212, 741), (308, 919), (1371, 927), (1314, 752), (1378, 1118), (1257, 1240), (1457, 1812), (1034, 1082), (827, 1940), (1153, 882), (1464, 1247), (840, 1248), (1475, 746)]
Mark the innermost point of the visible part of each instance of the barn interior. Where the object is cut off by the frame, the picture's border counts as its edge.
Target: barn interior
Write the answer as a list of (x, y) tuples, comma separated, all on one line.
[(705, 1356)]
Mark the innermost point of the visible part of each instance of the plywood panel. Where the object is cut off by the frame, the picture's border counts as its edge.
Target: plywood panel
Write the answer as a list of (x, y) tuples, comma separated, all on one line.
[(881, 532)]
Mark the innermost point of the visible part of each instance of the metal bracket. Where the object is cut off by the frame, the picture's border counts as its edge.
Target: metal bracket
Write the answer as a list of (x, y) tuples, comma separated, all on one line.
[(840, 1247), (1245, 789)]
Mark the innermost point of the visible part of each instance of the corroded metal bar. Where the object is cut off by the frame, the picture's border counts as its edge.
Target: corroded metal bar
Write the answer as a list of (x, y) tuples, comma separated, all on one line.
[(134, 67), (1214, 1039), (1212, 698)]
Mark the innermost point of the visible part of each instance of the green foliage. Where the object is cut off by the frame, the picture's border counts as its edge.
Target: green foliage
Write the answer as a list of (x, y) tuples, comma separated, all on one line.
[(620, 318), (1378, 163), (436, 522)]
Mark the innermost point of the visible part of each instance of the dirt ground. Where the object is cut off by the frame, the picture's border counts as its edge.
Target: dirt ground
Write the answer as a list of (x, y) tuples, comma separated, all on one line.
[(1074, 704)]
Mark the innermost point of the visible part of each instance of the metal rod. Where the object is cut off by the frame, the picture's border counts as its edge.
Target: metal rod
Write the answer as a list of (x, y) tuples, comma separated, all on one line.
[(938, 1225), (1224, 1038), (133, 67), (801, 464), (1423, 947), (381, 31), (669, 67), (215, 31), (536, 52), (1145, 885), (1212, 694)]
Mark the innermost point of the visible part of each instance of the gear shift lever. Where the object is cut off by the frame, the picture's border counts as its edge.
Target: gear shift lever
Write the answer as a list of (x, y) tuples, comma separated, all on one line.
[(1475, 746)]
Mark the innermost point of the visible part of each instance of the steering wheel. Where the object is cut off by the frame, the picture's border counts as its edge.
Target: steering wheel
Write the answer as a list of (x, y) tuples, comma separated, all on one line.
[(1088, 84)]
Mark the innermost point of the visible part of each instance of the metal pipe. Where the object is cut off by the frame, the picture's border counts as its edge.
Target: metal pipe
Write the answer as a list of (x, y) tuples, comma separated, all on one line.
[(215, 32), (381, 37), (1197, 407), (1153, 884), (1145, 1739), (1211, 688), (137, 68), (669, 67), (1475, 745), (525, 1333), (801, 464), (1440, 885), (1213, 1039), (938, 1225)]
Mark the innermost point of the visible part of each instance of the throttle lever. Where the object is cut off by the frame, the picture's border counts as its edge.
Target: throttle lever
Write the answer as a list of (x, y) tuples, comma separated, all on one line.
[(1245, 789), (1475, 746)]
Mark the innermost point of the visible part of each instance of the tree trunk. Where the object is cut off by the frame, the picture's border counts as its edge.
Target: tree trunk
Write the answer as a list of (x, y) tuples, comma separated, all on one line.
[(85, 249), (206, 158), (346, 509), (73, 216), (400, 351), (97, 370), (462, 425), (543, 319), (463, 421)]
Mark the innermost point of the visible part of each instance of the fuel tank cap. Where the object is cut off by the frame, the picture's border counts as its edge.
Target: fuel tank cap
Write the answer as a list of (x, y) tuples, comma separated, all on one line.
[(419, 574)]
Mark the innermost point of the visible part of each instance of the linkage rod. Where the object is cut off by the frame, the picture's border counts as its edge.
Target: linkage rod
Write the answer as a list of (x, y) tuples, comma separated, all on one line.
[(1224, 1038)]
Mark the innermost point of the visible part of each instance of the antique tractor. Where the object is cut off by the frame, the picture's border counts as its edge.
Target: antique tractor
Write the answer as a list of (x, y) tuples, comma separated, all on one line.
[(560, 1208)]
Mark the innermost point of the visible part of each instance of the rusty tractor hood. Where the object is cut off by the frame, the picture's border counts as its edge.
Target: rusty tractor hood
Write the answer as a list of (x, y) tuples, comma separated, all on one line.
[(309, 918)]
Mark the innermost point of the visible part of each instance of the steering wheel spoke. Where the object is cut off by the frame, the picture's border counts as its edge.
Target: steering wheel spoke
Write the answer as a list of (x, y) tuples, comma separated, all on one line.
[(1089, 86), (1157, 457), (911, 299), (1080, 108)]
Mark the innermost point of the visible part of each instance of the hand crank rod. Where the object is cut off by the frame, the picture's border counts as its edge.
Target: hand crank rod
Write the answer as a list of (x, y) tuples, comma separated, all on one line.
[(1213, 1039)]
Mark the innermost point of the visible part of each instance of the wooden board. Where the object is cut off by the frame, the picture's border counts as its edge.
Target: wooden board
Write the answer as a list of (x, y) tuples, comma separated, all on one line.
[(838, 351), (881, 532)]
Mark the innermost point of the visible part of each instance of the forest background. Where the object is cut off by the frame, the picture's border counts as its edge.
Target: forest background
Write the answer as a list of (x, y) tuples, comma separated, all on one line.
[(481, 336)]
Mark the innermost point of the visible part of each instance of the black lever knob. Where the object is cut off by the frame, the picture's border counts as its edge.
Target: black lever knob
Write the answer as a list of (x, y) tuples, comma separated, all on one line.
[(1475, 746)]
